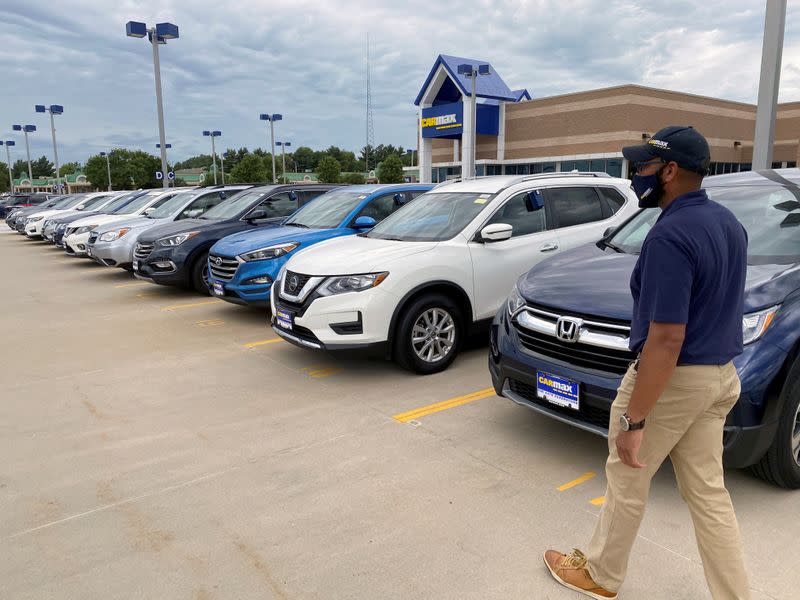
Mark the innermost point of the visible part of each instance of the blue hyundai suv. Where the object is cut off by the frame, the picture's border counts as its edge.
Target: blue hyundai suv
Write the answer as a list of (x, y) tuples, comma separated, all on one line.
[(243, 266), (560, 345)]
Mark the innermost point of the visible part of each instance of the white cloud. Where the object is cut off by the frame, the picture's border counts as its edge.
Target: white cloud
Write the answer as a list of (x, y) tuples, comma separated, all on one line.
[(305, 60)]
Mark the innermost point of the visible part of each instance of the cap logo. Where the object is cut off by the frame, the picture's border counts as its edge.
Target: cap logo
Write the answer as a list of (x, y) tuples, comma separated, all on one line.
[(659, 144)]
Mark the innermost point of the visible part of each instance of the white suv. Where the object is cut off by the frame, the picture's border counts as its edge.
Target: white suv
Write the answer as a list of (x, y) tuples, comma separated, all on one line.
[(423, 277)]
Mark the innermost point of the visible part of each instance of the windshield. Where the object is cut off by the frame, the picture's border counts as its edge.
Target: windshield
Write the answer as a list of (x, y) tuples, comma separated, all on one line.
[(327, 211), (120, 202), (770, 214), (232, 207), (431, 217), (74, 201), (173, 205), (138, 203), (95, 203)]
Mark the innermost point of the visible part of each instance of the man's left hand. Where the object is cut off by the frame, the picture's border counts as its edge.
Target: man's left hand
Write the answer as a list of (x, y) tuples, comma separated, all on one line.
[(628, 444)]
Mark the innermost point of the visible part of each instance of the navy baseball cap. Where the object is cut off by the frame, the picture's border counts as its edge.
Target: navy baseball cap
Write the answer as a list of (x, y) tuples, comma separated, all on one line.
[(681, 144)]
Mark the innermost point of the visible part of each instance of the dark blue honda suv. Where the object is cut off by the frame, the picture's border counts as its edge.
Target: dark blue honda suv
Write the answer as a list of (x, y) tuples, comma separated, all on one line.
[(560, 345)]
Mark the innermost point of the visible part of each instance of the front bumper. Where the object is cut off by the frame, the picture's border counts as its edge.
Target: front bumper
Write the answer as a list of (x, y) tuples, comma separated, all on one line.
[(33, 229), (118, 253), (240, 289), (76, 244), (514, 371), (161, 267), (355, 320)]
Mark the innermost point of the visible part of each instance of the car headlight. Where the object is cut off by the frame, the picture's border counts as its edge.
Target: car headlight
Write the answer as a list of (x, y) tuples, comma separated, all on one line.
[(756, 323), (35, 219), (269, 252), (84, 229), (351, 283), (110, 236), (515, 301), (176, 240)]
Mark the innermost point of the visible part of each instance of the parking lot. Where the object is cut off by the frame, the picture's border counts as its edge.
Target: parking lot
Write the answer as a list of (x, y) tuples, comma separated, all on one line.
[(159, 444)]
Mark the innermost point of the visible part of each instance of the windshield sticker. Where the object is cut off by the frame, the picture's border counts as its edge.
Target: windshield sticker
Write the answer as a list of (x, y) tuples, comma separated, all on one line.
[(481, 200)]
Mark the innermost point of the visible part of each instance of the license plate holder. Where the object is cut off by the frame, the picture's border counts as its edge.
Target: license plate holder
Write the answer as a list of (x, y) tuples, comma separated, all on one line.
[(558, 390), (285, 319)]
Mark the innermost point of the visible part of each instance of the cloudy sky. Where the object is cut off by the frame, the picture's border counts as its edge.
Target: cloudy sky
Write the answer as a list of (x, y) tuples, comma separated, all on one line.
[(306, 60)]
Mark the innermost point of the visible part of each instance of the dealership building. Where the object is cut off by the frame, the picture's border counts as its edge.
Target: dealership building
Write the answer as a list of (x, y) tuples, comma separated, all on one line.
[(518, 134)]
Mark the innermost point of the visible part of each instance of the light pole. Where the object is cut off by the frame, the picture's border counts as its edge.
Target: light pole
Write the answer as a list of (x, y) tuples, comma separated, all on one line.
[(166, 175), (53, 109), (468, 138), (8, 159), (108, 168), (157, 35), (222, 166), (26, 129), (212, 135), (283, 146), (272, 119)]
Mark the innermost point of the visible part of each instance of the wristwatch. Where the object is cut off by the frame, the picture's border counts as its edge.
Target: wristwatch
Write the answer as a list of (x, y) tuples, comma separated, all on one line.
[(627, 425)]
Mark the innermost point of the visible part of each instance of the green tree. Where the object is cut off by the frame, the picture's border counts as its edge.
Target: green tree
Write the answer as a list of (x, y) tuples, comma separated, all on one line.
[(20, 168), (69, 168), (329, 170), (130, 169), (42, 167), (180, 182), (353, 178), (250, 169), (4, 183), (390, 170), (304, 157), (195, 162)]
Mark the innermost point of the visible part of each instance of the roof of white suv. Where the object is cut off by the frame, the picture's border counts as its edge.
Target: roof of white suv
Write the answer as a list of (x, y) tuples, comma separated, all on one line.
[(496, 183)]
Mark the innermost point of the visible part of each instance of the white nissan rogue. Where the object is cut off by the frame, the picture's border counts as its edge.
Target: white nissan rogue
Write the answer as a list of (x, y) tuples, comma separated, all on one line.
[(421, 279)]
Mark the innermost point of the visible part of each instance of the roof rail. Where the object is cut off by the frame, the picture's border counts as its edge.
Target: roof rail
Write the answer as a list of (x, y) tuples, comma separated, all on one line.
[(533, 177)]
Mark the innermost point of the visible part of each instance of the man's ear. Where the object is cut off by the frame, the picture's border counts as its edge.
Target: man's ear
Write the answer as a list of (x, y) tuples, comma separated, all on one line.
[(669, 172)]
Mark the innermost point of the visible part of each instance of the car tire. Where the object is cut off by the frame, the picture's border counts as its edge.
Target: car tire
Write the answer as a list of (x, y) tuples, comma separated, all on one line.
[(437, 318), (200, 274), (779, 465)]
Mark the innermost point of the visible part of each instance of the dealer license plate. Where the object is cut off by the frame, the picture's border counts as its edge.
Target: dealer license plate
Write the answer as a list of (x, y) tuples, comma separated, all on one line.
[(218, 288), (558, 390), (285, 319), (136, 265)]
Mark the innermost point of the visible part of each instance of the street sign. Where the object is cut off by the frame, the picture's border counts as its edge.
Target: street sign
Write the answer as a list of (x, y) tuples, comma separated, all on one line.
[(159, 175), (171, 175)]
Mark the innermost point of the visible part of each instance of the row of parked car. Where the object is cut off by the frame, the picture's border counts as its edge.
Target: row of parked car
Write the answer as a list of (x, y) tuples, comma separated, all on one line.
[(411, 271)]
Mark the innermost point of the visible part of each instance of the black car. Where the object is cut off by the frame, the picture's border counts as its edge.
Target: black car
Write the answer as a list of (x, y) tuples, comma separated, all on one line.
[(22, 200), (176, 253)]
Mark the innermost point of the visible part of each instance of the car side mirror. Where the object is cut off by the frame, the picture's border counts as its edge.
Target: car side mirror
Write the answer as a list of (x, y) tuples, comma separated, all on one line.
[(496, 232), (149, 211), (534, 200), (399, 199), (80, 207), (364, 222), (257, 214), (609, 231)]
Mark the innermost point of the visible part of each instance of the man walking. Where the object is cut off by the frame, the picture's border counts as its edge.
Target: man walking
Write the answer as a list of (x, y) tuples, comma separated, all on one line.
[(688, 296)]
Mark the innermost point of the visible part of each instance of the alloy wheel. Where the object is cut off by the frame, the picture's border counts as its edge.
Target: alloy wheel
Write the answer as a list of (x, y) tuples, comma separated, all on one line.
[(433, 335)]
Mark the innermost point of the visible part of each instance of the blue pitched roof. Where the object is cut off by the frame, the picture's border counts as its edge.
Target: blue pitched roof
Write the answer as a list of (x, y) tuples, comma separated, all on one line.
[(489, 86), (521, 95)]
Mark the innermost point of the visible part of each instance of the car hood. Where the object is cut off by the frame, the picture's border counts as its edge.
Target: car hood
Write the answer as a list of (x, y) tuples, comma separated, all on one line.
[(175, 227), (354, 254), (134, 222), (247, 241), (596, 281), (71, 216), (44, 213), (99, 219)]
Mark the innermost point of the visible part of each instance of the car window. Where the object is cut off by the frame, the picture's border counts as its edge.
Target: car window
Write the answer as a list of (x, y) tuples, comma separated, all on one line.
[(381, 207), (328, 210), (201, 205), (161, 201), (411, 194), (574, 205), (309, 195), (517, 213), (233, 206), (613, 197), (278, 205)]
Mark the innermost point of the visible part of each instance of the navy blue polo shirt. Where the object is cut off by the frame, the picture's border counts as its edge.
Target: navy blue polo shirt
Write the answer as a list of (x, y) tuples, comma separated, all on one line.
[(692, 270)]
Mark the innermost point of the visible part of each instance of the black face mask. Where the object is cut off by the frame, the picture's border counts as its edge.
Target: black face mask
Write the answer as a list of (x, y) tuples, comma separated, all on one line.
[(648, 188)]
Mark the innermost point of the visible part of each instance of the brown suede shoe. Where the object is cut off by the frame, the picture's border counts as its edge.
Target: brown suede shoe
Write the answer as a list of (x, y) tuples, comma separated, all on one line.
[(570, 571)]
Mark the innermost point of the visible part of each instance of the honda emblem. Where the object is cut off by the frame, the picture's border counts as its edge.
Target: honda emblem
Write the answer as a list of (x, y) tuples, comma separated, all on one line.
[(568, 329)]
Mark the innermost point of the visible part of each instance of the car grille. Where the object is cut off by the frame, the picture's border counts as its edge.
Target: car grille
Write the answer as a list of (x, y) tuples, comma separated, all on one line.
[(595, 415), (142, 250), (578, 354), (93, 237), (222, 268), (292, 286)]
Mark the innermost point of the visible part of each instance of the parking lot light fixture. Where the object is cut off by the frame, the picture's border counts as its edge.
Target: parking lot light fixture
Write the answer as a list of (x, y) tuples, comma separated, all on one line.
[(8, 143), (157, 35), (108, 168), (53, 109), (26, 129), (212, 135), (272, 118)]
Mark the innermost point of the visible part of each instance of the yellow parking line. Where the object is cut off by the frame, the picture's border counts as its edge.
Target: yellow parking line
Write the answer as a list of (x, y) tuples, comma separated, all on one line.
[(440, 406), (126, 285), (323, 372), (263, 343), (209, 323), (598, 501), (190, 305), (574, 482)]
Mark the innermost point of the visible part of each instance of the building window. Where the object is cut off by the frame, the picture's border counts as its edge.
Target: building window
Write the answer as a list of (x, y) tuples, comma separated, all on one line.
[(614, 167), (494, 169)]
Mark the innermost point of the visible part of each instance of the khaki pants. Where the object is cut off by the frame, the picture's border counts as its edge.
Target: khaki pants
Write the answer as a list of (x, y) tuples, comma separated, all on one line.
[(686, 425)]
